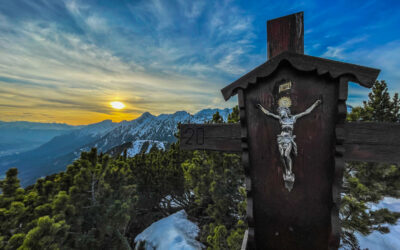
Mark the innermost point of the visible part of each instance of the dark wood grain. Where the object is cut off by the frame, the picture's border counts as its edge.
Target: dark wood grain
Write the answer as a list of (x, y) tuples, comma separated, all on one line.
[(372, 142), (336, 230), (344, 87), (219, 137), (250, 243), (365, 76), (342, 111), (285, 34), (300, 219), (361, 141)]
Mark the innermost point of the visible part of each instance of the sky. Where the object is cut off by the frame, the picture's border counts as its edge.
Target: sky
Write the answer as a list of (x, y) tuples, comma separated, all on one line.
[(65, 60)]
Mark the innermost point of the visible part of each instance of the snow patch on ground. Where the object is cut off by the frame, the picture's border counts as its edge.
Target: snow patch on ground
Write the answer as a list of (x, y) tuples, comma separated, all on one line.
[(174, 232), (135, 149)]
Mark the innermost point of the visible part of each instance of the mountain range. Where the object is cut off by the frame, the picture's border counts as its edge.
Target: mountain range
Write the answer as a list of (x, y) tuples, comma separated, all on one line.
[(53, 146), (17, 137)]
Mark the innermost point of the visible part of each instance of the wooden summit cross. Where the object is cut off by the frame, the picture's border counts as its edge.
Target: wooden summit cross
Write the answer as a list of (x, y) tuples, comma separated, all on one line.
[(294, 141)]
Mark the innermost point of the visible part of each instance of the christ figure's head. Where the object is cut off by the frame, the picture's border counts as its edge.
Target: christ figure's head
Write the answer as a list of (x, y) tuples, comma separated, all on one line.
[(283, 112)]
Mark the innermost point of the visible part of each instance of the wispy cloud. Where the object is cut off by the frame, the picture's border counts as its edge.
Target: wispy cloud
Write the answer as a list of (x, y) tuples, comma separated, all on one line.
[(384, 57), (339, 51), (70, 71), (66, 60)]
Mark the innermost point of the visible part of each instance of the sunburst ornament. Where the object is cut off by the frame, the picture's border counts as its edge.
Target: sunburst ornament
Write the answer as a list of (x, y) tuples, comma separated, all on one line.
[(285, 102)]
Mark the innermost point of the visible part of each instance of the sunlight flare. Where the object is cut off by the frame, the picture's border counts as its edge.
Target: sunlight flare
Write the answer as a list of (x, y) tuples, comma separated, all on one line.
[(117, 105)]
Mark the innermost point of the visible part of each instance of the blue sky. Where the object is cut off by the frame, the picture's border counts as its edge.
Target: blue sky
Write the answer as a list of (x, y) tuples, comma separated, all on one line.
[(64, 61)]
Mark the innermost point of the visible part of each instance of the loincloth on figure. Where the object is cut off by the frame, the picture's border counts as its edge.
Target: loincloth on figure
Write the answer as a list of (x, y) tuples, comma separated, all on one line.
[(284, 141)]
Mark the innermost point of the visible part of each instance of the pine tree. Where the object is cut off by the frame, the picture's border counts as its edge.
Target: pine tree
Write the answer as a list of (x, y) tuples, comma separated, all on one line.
[(15, 241), (12, 208), (10, 186), (234, 117), (48, 234), (217, 182), (367, 183), (217, 118), (379, 106)]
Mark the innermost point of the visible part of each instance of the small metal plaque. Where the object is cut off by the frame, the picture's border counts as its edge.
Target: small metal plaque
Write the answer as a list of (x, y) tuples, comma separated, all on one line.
[(285, 86)]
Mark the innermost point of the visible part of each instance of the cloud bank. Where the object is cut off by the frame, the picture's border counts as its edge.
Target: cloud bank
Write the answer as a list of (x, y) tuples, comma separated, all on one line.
[(64, 61)]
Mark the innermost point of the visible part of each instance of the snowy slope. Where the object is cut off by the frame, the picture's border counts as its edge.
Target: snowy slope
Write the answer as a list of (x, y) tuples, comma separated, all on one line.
[(149, 127), (174, 232), (140, 146), (97, 129)]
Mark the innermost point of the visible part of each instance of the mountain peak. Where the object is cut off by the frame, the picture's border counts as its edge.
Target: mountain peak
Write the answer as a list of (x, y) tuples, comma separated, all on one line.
[(209, 111), (182, 112), (146, 115), (181, 115), (108, 121)]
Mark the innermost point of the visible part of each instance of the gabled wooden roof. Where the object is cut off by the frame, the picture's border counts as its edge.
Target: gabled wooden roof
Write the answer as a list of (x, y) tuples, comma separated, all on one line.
[(362, 75)]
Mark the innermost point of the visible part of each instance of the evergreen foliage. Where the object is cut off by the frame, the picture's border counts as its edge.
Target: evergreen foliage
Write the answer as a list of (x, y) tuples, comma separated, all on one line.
[(102, 202), (368, 183), (379, 107), (217, 182), (98, 202)]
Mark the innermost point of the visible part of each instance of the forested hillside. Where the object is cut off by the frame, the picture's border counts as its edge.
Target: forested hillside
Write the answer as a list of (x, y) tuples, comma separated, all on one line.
[(103, 202)]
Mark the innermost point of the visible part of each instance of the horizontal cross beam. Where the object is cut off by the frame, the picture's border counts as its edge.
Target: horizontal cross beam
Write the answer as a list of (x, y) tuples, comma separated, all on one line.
[(362, 141), (217, 137)]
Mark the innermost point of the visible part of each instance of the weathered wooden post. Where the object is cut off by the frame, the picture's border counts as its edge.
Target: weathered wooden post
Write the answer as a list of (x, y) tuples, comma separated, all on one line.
[(293, 139)]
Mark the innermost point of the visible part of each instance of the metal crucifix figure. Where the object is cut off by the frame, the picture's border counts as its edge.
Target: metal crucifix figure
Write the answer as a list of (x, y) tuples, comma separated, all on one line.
[(285, 140)]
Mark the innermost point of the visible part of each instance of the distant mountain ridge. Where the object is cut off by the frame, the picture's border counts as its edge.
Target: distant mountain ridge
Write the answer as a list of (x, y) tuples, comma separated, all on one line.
[(37, 125), (146, 131), (20, 136), (150, 127)]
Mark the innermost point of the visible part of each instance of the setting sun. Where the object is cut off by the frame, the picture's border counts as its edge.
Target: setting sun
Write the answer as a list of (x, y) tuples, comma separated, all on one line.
[(117, 105)]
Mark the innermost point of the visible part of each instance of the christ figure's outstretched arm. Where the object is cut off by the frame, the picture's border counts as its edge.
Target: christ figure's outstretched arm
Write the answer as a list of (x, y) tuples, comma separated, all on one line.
[(267, 112), (309, 110)]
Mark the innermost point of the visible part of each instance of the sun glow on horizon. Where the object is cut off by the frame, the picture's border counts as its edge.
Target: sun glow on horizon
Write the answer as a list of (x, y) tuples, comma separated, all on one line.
[(117, 105)]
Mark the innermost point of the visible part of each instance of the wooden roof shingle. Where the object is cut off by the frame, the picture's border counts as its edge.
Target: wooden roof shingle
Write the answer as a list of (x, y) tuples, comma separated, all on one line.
[(364, 76)]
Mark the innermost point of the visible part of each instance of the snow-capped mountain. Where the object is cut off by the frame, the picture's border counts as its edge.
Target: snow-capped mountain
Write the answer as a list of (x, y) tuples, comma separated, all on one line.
[(139, 135), (149, 127)]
